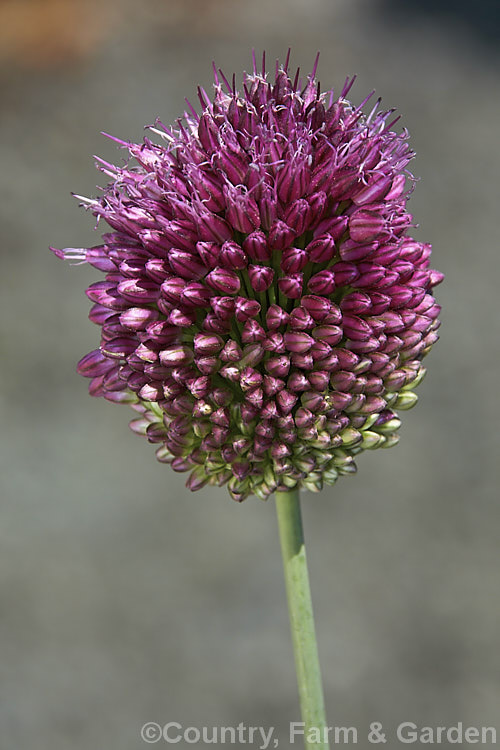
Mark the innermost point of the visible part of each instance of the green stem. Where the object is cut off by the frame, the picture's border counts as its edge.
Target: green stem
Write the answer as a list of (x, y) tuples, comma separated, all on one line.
[(302, 620)]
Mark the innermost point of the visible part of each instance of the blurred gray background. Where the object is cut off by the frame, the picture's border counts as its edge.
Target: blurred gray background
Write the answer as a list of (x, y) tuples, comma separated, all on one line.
[(124, 598)]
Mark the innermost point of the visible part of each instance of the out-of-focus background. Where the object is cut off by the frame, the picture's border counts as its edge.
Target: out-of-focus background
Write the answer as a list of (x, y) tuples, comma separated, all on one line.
[(123, 597)]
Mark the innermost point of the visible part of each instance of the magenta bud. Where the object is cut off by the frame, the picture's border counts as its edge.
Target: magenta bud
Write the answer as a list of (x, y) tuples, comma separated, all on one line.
[(356, 302), (297, 341), (322, 282), (176, 355), (94, 364), (280, 235), (261, 277), (272, 385), (223, 280), (195, 294), (300, 319), (199, 387), (302, 361), (99, 314), (221, 396), (365, 225), (435, 277), (320, 350), (232, 256), (297, 216), (230, 372), (387, 254), (242, 211), (319, 380), (328, 333), (280, 450), (322, 249), (370, 274), (252, 355), (255, 245), (207, 344), (313, 401), (276, 317), (297, 382), (356, 328), (118, 348), (255, 397), (291, 285), (246, 308), (208, 133), (342, 380), (231, 352), (158, 269), (380, 302), (213, 324), (375, 191), (274, 343), (293, 260), (304, 418), (317, 202), (286, 400), (265, 428), (213, 228), (223, 307), (172, 289), (209, 253), (137, 318), (207, 365), (252, 332), (248, 414), (186, 265), (151, 392), (351, 250), (220, 417), (181, 318), (278, 367), (392, 322), (317, 307)]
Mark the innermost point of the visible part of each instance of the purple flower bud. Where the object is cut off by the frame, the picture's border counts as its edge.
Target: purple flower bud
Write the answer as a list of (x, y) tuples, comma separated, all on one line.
[(246, 308), (297, 341), (313, 401), (233, 257), (278, 366), (322, 249), (322, 283), (261, 277), (293, 260), (255, 245), (223, 280), (300, 319), (319, 380), (94, 364), (252, 332), (286, 400), (291, 285), (276, 317), (274, 343), (209, 253), (213, 228), (302, 361), (272, 385), (297, 216), (297, 382), (242, 211), (207, 344), (186, 265), (373, 192), (195, 294), (176, 355), (280, 235), (328, 333), (231, 352)]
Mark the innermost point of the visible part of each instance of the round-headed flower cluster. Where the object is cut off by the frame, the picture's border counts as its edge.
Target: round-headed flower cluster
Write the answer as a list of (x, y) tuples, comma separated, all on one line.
[(263, 309)]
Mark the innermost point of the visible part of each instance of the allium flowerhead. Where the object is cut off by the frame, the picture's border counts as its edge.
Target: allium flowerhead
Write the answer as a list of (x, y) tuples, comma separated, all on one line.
[(264, 309)]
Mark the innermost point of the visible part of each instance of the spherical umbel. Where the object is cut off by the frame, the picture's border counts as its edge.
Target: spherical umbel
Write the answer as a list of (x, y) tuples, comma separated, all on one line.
[(264, 308)]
